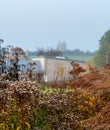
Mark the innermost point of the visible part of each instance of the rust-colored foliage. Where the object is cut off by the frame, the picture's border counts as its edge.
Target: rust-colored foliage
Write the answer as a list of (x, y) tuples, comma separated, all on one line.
[(97, 82), (87, 79), (101, 121), (77, 69)]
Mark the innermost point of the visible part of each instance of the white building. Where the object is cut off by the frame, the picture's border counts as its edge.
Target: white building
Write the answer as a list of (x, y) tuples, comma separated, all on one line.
[(55, 69)]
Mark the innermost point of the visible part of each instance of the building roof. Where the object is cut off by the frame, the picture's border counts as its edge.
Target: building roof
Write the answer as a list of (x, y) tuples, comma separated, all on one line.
[(58, 58)]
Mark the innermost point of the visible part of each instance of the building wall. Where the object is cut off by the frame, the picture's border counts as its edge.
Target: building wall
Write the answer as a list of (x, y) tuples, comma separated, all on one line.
[(41, 60), (56, 69)]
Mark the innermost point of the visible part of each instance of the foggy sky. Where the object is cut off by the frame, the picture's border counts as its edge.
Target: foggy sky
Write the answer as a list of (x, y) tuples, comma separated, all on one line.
[(43, 23)]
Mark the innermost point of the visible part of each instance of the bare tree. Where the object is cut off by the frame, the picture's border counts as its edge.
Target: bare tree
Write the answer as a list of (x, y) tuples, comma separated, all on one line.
[(16, 53)]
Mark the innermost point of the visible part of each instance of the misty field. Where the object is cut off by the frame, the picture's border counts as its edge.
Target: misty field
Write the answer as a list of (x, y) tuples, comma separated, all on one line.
[(80, 58)]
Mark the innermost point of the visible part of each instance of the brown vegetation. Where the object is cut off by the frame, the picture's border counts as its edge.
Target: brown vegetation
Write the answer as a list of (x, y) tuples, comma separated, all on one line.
[(81, 104), (97, 83)]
